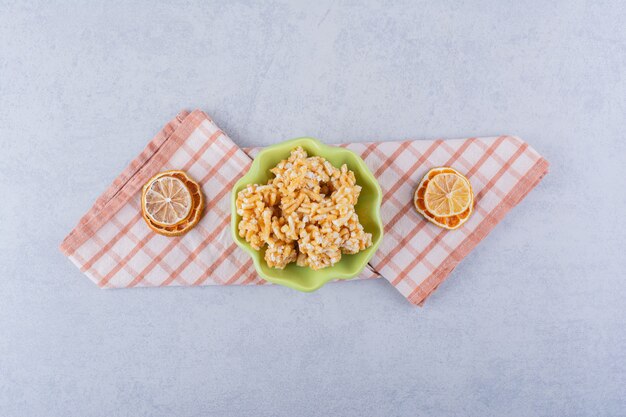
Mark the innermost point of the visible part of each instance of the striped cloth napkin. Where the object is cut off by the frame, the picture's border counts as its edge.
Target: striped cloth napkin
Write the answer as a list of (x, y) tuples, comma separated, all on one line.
[(114, 247)]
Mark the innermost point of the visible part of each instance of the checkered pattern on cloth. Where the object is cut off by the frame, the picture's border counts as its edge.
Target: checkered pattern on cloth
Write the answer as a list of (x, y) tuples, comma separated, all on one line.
[(114, 247)]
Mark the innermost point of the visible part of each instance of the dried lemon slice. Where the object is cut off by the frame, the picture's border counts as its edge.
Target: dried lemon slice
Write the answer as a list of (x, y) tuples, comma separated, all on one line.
[(448, 194), (168, 201), (453, 221), (171, 203)]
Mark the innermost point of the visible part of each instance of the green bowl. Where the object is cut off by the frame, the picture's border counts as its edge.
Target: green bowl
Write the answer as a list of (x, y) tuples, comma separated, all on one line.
[(368, 209)]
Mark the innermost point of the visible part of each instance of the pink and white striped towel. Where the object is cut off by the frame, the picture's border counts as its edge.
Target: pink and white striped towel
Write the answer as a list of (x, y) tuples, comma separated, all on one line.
[(114, 247)]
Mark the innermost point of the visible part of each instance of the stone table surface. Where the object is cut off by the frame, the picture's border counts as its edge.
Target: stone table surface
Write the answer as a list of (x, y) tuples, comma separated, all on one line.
[(531, 323)]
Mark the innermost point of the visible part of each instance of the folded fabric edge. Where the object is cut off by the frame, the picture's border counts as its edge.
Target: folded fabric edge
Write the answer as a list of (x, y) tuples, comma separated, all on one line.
[(153, 157), (516, 195)]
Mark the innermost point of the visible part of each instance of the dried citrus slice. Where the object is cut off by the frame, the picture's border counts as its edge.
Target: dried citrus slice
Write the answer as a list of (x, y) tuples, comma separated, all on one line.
[(453, 221), (171, 203), (447, 194), (168, 201)]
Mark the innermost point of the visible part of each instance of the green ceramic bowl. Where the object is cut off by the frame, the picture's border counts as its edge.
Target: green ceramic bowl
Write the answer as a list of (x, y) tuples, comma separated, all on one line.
[(368, 209)]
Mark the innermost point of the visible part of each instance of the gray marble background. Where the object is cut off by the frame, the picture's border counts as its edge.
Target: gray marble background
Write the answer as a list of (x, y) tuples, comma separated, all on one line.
[(532, 323)]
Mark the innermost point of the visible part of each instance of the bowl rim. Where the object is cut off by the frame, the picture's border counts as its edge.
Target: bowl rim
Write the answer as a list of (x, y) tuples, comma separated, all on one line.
[(255, 170)]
